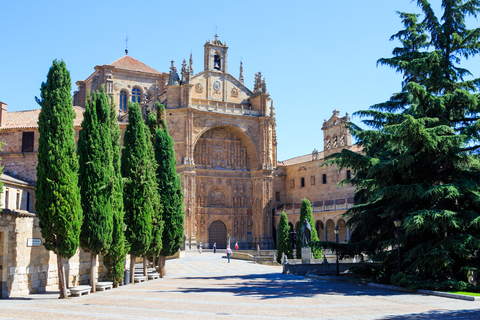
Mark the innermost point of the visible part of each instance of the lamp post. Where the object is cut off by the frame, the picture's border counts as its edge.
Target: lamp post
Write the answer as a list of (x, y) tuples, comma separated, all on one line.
[(336, 240), (398, 223)]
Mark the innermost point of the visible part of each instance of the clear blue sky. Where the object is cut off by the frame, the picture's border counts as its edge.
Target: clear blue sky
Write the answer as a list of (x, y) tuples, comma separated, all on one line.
[(316, 56)]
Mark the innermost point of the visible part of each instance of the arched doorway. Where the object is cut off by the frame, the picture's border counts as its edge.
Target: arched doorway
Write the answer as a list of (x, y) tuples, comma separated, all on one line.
[(217, 233)]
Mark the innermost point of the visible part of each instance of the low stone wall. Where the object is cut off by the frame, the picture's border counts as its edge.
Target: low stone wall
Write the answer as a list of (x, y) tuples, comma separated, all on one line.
[(246, 256), (25, 269), (317, 268)]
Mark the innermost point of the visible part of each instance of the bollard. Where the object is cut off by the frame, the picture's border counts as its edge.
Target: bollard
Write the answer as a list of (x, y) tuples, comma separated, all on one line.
[(126, 277)]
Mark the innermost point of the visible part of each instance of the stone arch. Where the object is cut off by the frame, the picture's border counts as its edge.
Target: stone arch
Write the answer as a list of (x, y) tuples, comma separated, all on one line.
[(244, 136), (320, 230), (342, 233), (213, 200), (330, 225), (290, 226)]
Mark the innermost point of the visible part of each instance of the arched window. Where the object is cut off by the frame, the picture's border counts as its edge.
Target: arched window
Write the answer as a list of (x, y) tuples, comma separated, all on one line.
[(136, 95), (123, 100), (216, 61)]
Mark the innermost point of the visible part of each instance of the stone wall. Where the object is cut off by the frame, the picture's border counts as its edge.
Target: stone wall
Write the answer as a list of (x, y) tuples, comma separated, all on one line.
[(26, 269)]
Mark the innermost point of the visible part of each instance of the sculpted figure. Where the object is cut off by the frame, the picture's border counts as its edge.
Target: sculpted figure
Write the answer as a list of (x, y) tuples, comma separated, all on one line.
[(306, 232)]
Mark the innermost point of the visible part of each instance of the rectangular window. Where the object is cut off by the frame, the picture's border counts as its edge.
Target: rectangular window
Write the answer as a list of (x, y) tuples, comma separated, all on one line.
[(312, 180), (292, 183), (28, 201), (27, 141), (277, 196), (349, 175), (302, 182), (7, 195), (17, 202), (324, 178)]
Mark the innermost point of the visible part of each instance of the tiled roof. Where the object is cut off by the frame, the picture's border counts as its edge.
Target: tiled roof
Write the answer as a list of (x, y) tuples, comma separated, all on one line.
[(299, 159), (8, 178), (29, 118), (308, 157), (129, 63)]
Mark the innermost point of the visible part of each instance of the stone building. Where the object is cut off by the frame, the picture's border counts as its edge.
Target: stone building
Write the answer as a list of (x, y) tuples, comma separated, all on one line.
[(226, 152), (307, 177)]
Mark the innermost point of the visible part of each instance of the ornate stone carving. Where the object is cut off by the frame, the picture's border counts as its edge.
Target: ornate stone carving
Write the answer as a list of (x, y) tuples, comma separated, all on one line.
[(229, 182), (217, 198), (199, 88), (234, 92), (235, 226), (202, 225), (335, 144), (216, 87)]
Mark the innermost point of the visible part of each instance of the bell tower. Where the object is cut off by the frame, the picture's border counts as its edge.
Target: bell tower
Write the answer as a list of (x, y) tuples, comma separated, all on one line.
[(216, 55)]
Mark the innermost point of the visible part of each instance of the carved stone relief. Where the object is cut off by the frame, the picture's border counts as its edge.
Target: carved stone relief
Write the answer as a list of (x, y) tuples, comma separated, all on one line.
[(199, 88), (217, 198), (234, 92), (219, 148)]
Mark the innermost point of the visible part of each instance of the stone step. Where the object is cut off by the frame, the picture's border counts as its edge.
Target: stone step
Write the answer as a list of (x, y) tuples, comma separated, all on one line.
[(152, 276)]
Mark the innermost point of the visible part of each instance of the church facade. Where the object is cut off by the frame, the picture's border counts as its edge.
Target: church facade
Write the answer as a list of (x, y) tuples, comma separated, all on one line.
[(225, 144)]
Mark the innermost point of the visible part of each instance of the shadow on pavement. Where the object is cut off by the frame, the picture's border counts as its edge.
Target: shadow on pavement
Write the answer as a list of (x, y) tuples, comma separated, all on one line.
[(275, 285), (457, 315)]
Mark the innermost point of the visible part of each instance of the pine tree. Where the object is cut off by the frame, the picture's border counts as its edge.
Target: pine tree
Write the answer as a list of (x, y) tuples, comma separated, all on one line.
[(96, 179), (134, 166), (306, 213), (170, 190), (56, 191), (284, 242), (420, 159), (114, 258)]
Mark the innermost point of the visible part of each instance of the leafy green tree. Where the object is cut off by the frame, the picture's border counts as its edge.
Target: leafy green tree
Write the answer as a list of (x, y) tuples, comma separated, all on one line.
[(284, 242), (170, 190), (306, 213), (420, 160), (57, 195), (137, 204), (115, 257), (96, 179)]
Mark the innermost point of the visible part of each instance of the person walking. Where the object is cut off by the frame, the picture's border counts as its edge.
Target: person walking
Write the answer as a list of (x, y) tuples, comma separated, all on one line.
[(236, 246), (229, 253), (200, 248), (214, 247)]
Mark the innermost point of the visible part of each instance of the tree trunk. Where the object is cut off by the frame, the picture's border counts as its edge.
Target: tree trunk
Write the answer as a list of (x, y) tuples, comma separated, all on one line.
[(132, 268), (93, 265), (161, 266), (145, 266), (62, 286)]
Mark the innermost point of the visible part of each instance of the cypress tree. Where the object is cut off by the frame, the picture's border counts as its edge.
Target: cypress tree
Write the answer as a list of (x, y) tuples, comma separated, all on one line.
[(134, 166), (57, 195), (170, 190), (114, 258), (284, 243), (157, 223), (420, 159), (306, 213), (96, 178)]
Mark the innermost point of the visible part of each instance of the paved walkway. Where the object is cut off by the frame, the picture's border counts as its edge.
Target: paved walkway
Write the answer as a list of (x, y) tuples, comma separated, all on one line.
[(207, 287)]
